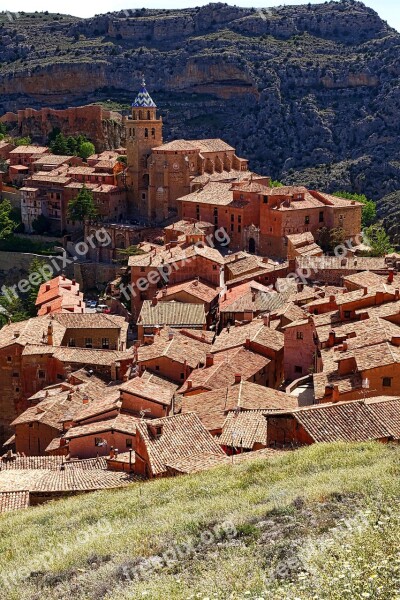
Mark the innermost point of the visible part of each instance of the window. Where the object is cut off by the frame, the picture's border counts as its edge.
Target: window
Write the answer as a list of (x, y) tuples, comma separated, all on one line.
[(60, 377), (15, 374), (143, 195), (214, 267), (232, 218), (232, 227), (347, 314), (88, 343), (157, 367), (307, 220), (146, 133), (239, 218), (105, 343), (182, 375), (321, 216), (239, 228), (9, 359), (299, 335), (142, 269), (128, 443), (298, 369), (41, 374), (265, 199), (71, 342), (387, 382)]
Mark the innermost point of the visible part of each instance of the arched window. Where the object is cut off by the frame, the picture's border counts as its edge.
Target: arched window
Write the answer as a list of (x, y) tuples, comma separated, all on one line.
[(146, 133), (153, 132), (140, 114), (148, 115)]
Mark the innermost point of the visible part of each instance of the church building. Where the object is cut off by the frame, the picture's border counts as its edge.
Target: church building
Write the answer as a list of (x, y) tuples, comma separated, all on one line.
[(157, 174)]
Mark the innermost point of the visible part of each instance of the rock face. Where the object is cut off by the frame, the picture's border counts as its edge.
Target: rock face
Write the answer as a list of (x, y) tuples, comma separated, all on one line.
[(103, 127), (308, 93)]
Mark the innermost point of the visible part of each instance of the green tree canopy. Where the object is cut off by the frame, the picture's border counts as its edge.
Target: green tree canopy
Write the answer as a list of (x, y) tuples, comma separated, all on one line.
[(328, 239), (41, 225), (82, 206), (368, 215), (86, 149), (378, 239), (59, 145), (23, 141), (7, 225)]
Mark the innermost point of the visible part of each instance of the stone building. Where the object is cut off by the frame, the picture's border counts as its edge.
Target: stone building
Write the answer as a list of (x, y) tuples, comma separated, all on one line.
[(157, 174)]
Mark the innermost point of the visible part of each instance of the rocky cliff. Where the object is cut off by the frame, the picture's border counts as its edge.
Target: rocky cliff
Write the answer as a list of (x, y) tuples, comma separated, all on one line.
[(308, 93)]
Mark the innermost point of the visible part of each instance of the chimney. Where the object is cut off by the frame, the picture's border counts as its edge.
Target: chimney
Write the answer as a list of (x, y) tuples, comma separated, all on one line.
[(380, 297), (238, 378), (85, 400), (50, 334), (390, 275), (112, 452), (189, 384), (154, 301), (332, 298), (331, 339), (397, 293), (209, 359), (365, 291), (247, 344), (266, 319)]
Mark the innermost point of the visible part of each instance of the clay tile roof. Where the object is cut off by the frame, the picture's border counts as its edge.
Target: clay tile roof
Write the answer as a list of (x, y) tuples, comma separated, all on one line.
[(364, 279), (90, 321), (123, 423), (214, 192), (183, 314), (212, 145), (10, 501), (244, 429), (212, 407), (31, 331), (159, 380), (52, 159), (29, 150), (256, 331), (177, 145), (68, 480), (198, 462), (387, 411), (194, 287), (178, 347), (226, 366), (344, 421), (148, 390), (90, 356), (181, 436)]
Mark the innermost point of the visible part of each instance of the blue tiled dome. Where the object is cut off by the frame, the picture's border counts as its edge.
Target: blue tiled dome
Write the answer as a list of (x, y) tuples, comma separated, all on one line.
[(143, 99)]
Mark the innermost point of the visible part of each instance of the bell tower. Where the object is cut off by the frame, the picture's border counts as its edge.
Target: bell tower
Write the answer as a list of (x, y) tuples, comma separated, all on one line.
[(143, 132)]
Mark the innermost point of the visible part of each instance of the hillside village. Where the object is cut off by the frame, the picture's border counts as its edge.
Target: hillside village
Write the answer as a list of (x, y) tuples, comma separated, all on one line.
[(230, 333)]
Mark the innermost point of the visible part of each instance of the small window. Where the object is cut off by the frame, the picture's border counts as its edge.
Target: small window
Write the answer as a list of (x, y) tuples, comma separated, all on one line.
[(239, 228), (105, 343), (60, 377), (15, 374), (299, 335), (298, 369), (41, 374), (142, 269), (321, 216), (214, 267), (387, 382), (157, 367), (143, 195), (239, 218), (265, 199), (9, 358), (17, 389), (232, 218), (182, 375), (71, 343), (307, 220), (88, 343), (347, 314), (232, 227), (128, 442)]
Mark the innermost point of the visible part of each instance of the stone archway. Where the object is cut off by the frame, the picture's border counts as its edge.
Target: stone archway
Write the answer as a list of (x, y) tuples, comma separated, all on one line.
[(252, 245)]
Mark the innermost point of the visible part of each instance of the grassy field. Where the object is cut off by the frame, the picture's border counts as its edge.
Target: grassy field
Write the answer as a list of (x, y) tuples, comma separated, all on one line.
[(323, 522)]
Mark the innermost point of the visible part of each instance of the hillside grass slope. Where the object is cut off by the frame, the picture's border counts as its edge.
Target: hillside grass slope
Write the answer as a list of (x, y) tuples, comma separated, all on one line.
[(322, 522)]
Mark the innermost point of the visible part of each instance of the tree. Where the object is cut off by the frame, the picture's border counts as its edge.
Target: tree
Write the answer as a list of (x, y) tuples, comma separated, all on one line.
[(377, 238), (86, 149), (7, 225), (329, 239), (23, 141), (82, 206), (59, 145), (41, 225), (122, 159), (29, 300), (275, 184), (368, 215)]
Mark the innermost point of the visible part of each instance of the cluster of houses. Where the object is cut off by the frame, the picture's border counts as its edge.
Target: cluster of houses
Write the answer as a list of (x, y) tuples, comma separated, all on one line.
[(249, 341)]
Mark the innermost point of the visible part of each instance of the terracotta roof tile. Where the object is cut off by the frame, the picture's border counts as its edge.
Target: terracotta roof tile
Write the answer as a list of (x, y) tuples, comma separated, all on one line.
[(174, 314), (244, 430)]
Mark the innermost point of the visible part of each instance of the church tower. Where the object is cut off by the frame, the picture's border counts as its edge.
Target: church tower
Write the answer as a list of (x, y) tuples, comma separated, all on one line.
[(143, 132)]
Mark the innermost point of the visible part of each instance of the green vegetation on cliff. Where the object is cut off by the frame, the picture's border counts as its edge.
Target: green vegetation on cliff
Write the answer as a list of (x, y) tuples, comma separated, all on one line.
[(320, 523)]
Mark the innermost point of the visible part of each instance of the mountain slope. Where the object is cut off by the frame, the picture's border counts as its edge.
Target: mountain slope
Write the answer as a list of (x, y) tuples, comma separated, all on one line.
[(309, 93), (322, 522)]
